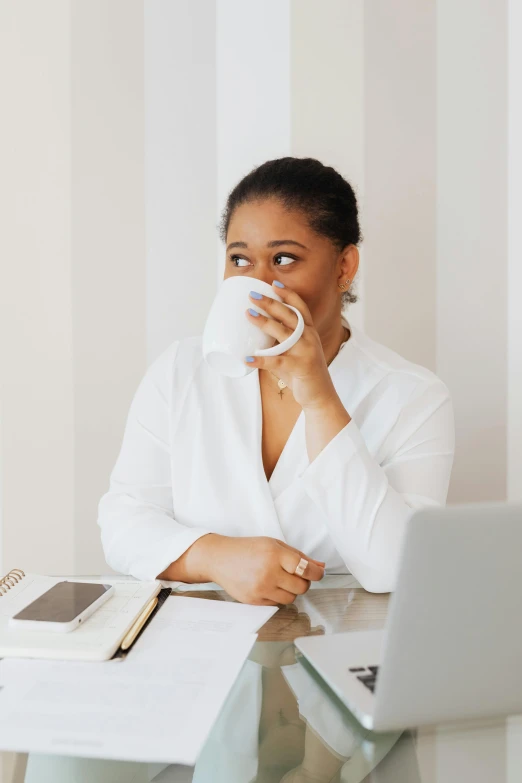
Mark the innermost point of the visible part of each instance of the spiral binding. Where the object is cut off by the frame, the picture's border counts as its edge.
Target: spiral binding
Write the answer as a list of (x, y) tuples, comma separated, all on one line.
[(10, 580)]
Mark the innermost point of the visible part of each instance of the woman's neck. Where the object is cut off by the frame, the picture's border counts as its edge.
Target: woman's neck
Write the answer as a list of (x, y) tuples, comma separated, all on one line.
[(332, 339)]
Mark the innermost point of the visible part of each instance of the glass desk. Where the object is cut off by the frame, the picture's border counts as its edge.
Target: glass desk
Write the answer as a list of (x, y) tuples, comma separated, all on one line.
[(282, 724)]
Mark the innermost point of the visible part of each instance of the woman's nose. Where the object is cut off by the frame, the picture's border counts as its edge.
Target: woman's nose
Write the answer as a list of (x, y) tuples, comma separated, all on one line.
[(265, 275)]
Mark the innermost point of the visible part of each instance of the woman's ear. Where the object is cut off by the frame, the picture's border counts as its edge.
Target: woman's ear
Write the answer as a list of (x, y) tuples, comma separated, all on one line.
[(349, 263)]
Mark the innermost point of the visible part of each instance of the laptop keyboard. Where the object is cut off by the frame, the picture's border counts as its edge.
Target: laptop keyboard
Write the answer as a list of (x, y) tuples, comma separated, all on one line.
[(367, 675)]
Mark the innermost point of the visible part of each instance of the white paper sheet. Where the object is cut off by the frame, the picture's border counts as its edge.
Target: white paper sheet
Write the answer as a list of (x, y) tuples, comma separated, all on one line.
[(135, 711), (197, 615)]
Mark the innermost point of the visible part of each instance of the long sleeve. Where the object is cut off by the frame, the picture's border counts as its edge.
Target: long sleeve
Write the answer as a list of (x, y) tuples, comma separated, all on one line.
[(139, 533), (366, 505)]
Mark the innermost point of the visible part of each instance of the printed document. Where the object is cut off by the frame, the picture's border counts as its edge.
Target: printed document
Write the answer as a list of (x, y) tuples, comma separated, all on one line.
[(158, 705), (198, 615)]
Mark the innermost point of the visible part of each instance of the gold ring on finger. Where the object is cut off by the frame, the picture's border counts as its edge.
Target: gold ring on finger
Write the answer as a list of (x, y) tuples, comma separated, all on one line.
[(301, 567)]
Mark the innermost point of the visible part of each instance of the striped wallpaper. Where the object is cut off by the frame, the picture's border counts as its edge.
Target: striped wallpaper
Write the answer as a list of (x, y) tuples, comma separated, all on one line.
[(118, 164)]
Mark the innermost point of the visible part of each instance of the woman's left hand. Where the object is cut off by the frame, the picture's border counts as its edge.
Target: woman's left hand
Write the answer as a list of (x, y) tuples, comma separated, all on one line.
[(303, 367)]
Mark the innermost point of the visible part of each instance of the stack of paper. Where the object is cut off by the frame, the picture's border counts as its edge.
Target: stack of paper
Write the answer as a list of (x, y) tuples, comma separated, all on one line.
[(159, 704)]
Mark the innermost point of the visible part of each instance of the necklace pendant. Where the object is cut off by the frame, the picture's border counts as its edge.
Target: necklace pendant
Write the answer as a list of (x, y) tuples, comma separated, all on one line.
[(281, 384)]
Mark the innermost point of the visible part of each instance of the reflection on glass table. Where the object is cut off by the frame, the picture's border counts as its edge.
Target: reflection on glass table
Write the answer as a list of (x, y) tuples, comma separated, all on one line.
[(280, 723)]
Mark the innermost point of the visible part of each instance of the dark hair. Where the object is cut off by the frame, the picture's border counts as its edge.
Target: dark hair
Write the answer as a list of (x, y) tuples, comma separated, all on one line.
[(326, 199)]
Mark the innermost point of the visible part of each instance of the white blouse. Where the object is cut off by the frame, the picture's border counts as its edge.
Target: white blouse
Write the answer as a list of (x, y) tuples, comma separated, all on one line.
[(191, 463)]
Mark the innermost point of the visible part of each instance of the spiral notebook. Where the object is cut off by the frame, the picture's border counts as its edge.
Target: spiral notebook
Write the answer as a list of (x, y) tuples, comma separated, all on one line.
[(96, 640)]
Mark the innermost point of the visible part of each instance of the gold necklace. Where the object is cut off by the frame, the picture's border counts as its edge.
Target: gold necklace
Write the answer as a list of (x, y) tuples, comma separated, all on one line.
[(282, 385)]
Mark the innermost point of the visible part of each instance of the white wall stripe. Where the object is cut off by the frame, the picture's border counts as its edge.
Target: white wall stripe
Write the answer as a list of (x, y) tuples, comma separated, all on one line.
[(472, 238), (36, 351), (252, 92), (180, 168), (400, 186)]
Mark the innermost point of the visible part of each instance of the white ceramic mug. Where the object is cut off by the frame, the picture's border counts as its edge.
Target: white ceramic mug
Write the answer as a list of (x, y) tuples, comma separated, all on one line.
[(229, 337)]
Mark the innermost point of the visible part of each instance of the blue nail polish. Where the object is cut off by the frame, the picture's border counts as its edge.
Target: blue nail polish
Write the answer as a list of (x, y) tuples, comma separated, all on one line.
[(255, 295), (278, 284), (253, 312), (249, 358)]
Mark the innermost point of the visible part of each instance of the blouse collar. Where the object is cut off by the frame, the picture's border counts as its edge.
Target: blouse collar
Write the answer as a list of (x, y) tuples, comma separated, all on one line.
[(350, 342)]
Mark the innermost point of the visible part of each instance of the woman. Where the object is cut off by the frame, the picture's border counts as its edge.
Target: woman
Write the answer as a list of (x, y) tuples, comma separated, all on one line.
[(313, 462)]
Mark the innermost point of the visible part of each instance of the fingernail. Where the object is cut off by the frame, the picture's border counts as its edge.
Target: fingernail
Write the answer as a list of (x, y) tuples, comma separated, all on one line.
[(255, 295), (249, 359), (253, 312), (278, 284)]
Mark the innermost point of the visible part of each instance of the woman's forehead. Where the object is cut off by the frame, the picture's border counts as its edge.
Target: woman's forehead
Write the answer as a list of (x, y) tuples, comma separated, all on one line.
[(269, 217)]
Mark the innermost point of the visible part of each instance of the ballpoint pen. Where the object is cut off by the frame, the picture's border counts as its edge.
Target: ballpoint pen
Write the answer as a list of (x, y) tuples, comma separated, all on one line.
[(138, 625)]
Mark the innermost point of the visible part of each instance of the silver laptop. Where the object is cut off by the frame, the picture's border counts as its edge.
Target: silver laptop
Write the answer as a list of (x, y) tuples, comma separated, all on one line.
[(452, 645)]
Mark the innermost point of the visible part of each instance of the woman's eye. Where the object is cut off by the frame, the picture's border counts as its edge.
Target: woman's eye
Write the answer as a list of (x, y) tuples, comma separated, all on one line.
[(282, 256), (238, 258)]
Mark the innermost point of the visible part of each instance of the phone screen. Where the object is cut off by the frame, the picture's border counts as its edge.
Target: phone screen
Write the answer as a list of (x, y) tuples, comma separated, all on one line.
[(62, 602)]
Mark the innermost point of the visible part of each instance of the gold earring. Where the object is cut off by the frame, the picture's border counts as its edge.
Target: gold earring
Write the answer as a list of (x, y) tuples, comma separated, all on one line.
[(343, 285)]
